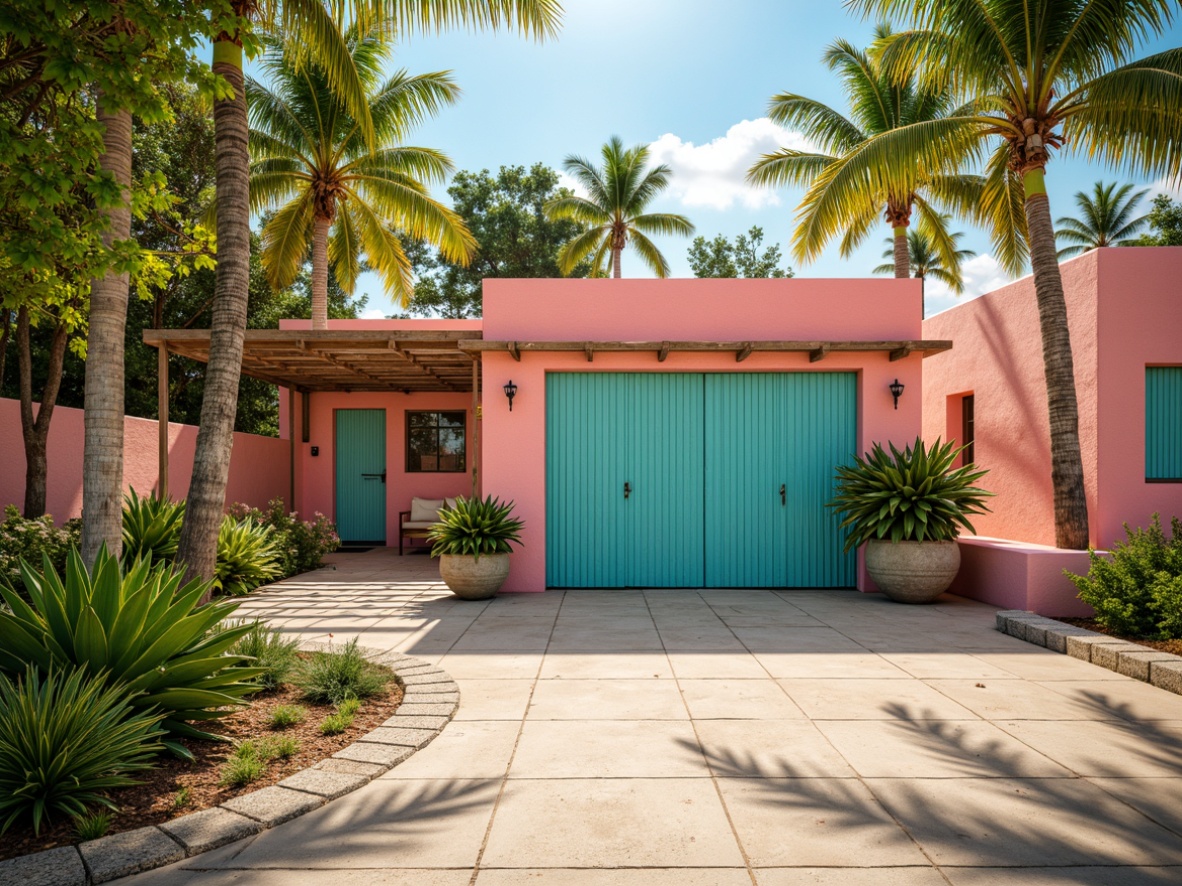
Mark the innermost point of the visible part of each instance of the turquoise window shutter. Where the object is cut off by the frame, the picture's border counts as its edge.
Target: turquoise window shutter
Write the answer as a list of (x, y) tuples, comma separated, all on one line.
[(1163, 423)]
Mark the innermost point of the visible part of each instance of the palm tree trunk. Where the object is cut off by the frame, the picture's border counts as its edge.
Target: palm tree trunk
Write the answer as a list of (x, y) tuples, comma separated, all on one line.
[(320, 273), (102, 452), (35, 431), (1067, 479), (219, 404), (616, 261), (4, 339), (902, 253)]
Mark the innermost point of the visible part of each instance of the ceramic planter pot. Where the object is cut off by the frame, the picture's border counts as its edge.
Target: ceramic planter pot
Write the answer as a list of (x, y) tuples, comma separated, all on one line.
[(912, 571), (472, 579)]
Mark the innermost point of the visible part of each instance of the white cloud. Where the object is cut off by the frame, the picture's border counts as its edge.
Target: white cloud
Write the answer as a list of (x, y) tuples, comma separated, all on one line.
[(373, 314), (1172, 189), (713, 174), (568, 181), (981, 274)]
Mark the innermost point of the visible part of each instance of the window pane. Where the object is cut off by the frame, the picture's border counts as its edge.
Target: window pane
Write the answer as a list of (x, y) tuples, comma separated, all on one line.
[(435, 441), (451, 419), (423, 419)]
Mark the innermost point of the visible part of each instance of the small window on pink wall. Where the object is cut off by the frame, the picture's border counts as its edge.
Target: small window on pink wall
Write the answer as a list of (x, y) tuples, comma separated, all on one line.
[(961, 425)]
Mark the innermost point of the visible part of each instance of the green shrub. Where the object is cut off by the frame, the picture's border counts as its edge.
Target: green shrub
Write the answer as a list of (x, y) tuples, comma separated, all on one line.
[(349, 707), (247, 557), (138, 627), (474, 527), (285, 747), (65, 739), (32, 541), (151, 527), (269, 652), (911, 495), (93, 825), (239, 771), (335, 724), (333, 677), (287, 715), (1137, 590), (301, 544), (182, 798)]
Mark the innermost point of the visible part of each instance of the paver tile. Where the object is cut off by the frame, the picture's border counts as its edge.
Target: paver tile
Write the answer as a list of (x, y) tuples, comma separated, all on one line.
[(465, 749), (853, 699), (1018, 700), (625, 877), (607, 700), (493, 699), (608, 749), (769, 749), (587, 666), (908, 876), (1129, 699), (738, 700), (1105, 748)]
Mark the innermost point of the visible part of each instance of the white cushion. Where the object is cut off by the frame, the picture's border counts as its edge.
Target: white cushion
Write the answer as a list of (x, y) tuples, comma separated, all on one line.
[(451, 503), (418, 524), (425, 509)]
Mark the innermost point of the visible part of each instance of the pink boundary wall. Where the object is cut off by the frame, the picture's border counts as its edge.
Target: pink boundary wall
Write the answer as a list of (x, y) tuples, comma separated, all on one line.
[(514, 447), (1122, 307), (259, 469)]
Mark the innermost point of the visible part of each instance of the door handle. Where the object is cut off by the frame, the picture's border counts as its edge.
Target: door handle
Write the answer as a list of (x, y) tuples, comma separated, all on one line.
[(381, 476), (783, 495), (627, 489)]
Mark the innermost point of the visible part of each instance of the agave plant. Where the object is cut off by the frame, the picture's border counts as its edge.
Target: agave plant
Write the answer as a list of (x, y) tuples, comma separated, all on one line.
[(474, 527), (141, 628), (151, 527), (247, 556), (913, 495), (65, 739)]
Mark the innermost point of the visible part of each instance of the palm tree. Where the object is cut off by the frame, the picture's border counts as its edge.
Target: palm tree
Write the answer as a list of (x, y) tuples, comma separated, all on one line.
[(838, 203), (926, 261), (613, 210), (1106, 220), (312, 24), (314, 166), (1036, 77)]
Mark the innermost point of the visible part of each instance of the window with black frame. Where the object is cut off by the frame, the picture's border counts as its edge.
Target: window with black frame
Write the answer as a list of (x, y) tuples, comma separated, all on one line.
[(435, 442)]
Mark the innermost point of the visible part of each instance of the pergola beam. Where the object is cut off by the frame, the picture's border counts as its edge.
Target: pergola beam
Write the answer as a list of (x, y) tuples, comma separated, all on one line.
[(817, 350)]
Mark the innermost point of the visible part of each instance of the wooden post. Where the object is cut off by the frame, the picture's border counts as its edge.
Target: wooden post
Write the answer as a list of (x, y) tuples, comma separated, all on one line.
[(305, 415), (475, 421), (291, 433), (162, 419)]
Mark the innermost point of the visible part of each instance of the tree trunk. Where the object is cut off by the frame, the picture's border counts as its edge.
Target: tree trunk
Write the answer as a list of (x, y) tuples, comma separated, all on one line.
[(4, 338), (902, 253), (320, 273), (102, 453), (219, 404), (35, 431), (616, 251), (1067, 478)]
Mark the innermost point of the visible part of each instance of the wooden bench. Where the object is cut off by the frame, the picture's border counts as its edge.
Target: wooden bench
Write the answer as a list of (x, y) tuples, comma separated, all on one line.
[(417, 522)]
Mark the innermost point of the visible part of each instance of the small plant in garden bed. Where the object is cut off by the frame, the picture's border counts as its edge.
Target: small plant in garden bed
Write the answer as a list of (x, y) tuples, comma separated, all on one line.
[(151, 527), (287, 715), (93, 825), (301, 544), (270, 652), (334, 676), (1137, 590), (339, 722), (246, 558)]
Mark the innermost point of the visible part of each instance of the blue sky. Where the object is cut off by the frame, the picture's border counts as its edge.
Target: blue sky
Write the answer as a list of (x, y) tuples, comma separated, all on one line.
[(690, 77)]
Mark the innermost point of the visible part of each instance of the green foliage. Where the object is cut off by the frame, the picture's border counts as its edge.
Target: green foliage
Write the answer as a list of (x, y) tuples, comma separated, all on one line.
[(93, 825), (1165, 220), (301, 544), (927, 261), (246, 558), (65, 739), (182, 798), (239, 771), (287, 715), (911, 495), (474, 527), (349, 707), (514, 239), (151, 527), (335, 724), (268, 653), (333, 677), (140, 628), (33, 540), (1106, 219), (1137, 589), (722, 258)]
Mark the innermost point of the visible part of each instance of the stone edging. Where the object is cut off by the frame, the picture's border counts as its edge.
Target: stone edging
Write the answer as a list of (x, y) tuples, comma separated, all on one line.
[(429, 702), (1162, 669)]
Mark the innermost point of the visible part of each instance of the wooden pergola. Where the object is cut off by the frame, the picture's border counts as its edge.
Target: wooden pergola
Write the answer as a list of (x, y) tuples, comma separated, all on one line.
[(817, 350)]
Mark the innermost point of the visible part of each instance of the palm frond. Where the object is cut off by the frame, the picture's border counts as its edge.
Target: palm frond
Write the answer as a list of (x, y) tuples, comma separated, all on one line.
[(649, 253), (286, 239)]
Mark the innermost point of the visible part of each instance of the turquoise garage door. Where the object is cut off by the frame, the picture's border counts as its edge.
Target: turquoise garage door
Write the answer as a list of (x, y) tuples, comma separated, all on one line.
[(361, 475), (696, 480)]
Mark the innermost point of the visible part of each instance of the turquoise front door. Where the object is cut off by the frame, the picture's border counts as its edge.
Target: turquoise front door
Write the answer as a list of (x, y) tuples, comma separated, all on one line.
[(692, 480), (361, 475)]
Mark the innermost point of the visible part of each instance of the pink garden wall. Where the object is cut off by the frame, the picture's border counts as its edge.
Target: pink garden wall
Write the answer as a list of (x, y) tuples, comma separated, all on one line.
[(259, 469), (514, 448)]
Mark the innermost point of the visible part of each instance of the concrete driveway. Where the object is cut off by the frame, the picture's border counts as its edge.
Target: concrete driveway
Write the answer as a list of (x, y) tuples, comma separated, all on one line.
[(709, 738)]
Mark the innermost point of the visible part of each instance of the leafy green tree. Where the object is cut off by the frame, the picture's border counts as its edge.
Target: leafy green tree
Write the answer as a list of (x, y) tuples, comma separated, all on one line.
[(315, 26), (514, 239), (839, 199), (926, 261), (1165, 221), (1106, 219), (613, 210), (722, 258), (1035, 77), (336, 192)]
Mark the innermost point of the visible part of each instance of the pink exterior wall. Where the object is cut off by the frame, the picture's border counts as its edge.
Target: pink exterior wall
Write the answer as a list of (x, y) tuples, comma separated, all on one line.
[(514, 448), (316, 476), (1123, 314), (1018, 575), (259, 469)]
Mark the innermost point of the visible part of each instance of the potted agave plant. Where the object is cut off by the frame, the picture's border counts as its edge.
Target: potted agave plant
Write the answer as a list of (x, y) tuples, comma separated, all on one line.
[(908, 509), (472, 541)]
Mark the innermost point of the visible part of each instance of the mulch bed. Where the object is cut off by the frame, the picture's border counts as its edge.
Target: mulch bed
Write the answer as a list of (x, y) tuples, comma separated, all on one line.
[(155, 800), (1172, 646)]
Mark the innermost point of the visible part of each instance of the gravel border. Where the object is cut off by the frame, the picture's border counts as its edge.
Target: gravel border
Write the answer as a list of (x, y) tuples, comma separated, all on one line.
[(1162, 669), (430, 699)]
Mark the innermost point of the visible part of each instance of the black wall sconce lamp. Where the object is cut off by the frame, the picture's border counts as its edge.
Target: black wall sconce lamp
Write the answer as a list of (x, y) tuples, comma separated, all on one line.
[(896, 391), (510, 392)]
